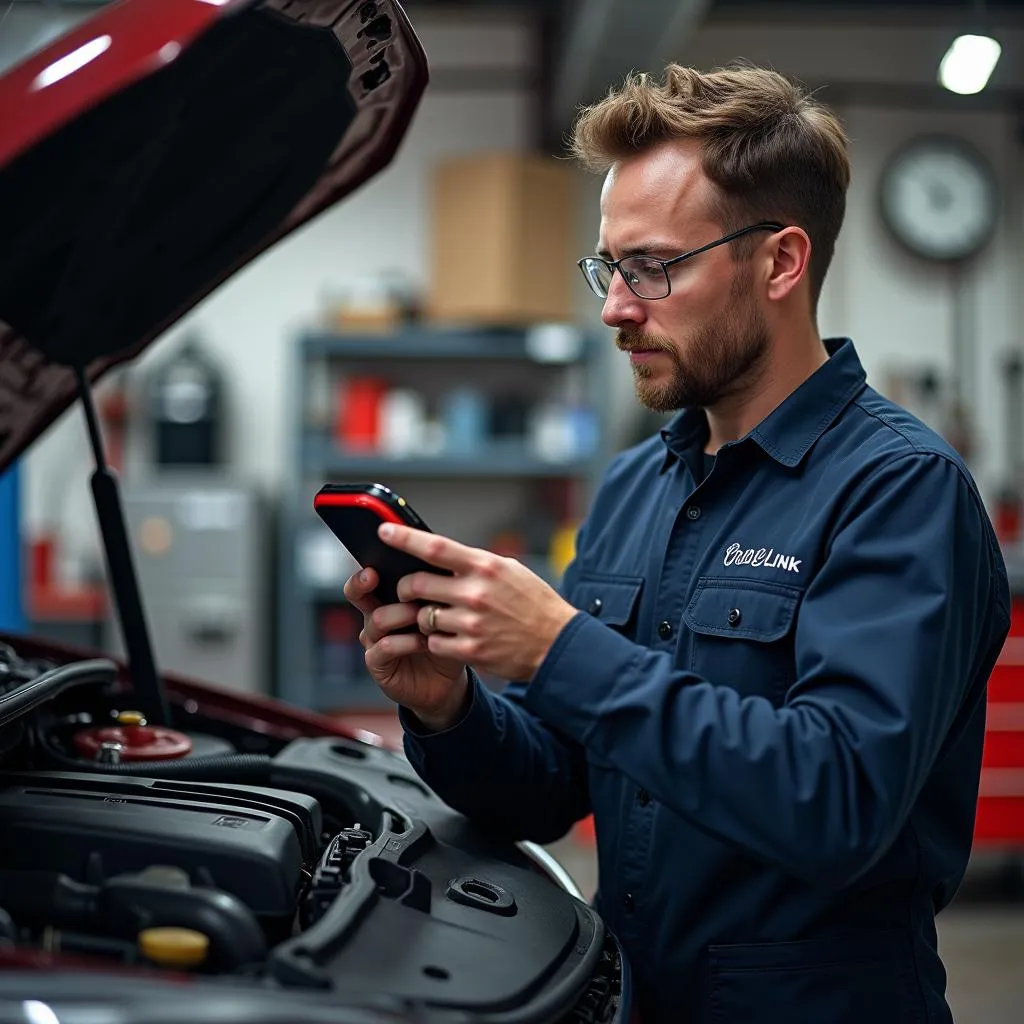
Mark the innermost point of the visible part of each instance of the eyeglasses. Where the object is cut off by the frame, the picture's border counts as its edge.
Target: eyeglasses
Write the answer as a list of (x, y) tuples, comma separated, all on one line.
[(647, 277)]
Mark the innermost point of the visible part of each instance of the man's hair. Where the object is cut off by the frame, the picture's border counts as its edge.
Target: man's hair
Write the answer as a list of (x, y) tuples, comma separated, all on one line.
[(771, 149)]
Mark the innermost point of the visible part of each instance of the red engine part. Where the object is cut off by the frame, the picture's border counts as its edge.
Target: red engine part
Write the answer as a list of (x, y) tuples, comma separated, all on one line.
[(138, 742)]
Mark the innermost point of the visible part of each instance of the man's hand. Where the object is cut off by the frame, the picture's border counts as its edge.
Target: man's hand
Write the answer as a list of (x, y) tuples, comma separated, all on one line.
[(433, 688), (493, 614)]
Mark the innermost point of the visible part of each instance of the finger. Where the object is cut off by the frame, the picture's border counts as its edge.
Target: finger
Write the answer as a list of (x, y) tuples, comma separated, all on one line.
[(428, 619), (429, 586), (456, 591), (454, 648), (389, 617), (359, 588), (385, 652), (443, 552), (455, 621)]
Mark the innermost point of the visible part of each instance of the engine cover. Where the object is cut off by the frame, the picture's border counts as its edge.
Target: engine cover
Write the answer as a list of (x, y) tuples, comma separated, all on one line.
[(248, 841)]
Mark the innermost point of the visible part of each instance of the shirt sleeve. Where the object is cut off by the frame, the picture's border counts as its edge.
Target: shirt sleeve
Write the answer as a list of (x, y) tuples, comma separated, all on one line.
[(909, 608), (503, 767)]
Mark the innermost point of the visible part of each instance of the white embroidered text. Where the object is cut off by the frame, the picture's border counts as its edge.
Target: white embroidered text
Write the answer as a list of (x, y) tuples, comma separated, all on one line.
[(766, 558)]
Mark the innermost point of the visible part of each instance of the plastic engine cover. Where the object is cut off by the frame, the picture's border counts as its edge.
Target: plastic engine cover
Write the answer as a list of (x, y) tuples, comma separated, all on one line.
[(247, 841)]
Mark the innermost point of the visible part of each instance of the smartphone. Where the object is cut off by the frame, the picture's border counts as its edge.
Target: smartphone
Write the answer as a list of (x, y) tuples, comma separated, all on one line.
[(353, 512)]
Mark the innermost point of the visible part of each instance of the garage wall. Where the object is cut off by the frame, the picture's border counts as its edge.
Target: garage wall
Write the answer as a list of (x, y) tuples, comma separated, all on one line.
[(480, 99), (899, 311)]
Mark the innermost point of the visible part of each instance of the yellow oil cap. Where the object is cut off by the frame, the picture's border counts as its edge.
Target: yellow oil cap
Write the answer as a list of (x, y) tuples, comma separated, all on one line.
[(174, 947), (131, 718)]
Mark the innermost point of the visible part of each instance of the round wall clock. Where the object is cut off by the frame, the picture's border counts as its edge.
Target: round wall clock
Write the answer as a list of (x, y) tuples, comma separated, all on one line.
[(939, 198)]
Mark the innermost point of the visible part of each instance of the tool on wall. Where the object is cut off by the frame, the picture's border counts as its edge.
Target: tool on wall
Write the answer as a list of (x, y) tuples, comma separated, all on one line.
[(186, 408)]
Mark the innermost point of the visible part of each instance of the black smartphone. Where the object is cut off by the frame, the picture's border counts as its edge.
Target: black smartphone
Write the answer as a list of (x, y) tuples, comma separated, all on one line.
[(353, 512)]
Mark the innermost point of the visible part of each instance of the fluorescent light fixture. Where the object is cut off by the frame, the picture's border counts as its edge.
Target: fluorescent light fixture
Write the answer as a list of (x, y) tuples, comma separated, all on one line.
[(72, 62), (968, 64)]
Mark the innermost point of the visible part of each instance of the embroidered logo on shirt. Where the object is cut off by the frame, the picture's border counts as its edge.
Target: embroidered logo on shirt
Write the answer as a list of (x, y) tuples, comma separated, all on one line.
[(766, 558)]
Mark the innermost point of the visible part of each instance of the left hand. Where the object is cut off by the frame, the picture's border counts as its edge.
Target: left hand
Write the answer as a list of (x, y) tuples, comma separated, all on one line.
[(493, 613)]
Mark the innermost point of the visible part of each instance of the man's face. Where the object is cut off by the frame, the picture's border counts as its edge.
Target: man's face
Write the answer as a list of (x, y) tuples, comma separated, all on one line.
[(708, 340)]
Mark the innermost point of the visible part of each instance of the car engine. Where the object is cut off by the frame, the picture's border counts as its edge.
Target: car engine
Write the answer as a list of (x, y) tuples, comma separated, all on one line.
[(314, 864)]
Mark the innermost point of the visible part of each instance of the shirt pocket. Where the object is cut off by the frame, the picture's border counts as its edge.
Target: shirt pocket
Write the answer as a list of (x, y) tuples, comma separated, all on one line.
[(612, 600), (850, 979), (741, 635)]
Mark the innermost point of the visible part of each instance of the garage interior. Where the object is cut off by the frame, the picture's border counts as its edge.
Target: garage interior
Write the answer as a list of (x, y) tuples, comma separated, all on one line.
[(331, 357)]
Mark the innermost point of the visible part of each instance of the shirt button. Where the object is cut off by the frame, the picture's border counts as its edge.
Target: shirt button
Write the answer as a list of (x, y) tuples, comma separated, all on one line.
[(643, 798), (734, 616), (629, 903), (595, 606), (693, 513), (665, 630)]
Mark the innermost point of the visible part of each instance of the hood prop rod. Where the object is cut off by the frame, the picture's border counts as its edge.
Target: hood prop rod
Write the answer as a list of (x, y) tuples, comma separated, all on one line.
[(124, 581)]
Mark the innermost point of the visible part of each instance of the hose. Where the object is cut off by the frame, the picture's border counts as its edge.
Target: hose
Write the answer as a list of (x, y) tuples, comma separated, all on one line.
[(251, 768), (46, 686)]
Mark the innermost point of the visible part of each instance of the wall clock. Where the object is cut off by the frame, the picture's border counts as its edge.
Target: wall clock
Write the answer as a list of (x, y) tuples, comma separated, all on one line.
[(939, 198)]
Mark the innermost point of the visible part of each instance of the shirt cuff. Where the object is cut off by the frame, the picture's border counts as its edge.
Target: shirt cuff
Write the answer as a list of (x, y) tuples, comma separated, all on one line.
[(587, 663), (474, 729)]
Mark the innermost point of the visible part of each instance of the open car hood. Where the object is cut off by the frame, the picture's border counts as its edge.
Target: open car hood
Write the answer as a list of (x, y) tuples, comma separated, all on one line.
[(157, 148)]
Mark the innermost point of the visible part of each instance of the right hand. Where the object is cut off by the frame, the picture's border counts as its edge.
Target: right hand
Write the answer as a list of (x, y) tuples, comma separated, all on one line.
[(434, 689)]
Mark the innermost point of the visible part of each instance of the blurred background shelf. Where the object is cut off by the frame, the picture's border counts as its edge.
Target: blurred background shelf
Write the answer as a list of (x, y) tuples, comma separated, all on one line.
[(321, 456), (537, 345), (493, 436)]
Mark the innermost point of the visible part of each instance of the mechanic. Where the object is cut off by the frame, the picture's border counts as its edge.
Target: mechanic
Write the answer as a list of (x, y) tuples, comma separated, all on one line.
[(765, 674)]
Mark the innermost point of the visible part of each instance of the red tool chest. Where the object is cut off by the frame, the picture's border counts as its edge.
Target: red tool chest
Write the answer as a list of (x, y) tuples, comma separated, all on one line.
[(1000, 824)]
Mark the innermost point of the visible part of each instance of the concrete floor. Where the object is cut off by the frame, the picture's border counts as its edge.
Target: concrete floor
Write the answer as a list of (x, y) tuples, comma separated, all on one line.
[(981, 939)]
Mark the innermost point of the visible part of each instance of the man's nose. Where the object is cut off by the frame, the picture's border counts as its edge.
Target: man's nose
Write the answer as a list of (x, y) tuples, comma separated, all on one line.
[(621, 306)]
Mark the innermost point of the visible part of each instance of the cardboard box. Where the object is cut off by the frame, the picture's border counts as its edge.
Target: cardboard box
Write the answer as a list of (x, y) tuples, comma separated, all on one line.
[(504, 240)]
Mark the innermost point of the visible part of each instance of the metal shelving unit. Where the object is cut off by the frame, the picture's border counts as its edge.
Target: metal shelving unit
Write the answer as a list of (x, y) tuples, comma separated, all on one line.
[(317, 674)]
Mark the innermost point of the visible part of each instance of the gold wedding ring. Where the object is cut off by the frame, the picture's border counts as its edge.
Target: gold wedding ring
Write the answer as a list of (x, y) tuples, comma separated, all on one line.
[(432, 619)]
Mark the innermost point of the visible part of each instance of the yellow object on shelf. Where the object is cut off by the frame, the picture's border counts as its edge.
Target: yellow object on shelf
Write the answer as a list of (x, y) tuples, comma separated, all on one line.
[(563, 548), (174, 947)]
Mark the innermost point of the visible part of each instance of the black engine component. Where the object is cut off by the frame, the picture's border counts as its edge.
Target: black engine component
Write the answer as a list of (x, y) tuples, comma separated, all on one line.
[(333, 872), (253, 843), (126, 905)]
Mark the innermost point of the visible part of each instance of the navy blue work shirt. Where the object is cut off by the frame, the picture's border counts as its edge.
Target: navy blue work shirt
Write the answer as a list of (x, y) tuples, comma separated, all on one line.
[(773, 702)]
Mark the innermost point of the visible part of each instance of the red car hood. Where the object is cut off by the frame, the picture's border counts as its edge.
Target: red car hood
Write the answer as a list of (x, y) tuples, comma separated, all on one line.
[(157, 148)]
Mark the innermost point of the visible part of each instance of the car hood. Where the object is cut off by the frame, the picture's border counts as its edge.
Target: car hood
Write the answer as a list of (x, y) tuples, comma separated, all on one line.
[(158, 147)]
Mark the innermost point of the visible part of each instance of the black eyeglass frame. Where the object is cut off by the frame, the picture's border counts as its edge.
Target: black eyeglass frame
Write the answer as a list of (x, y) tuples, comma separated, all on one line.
[(614, 265)]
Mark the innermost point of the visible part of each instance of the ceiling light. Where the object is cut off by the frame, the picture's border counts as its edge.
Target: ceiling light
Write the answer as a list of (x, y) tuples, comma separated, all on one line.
[(968, 64)]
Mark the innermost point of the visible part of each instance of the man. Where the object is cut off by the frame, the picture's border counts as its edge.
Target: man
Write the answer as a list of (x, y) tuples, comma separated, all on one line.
[(767, 675)]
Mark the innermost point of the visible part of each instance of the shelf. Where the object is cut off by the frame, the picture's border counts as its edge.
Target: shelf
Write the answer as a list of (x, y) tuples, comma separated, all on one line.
[(529, 360), (320, 456), (438, 346)]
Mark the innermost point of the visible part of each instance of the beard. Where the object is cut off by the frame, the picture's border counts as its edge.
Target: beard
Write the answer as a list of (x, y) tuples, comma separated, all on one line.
[(717, 361)]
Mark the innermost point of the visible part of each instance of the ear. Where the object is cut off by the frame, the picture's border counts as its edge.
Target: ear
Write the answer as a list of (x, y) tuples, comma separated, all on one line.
[(791, 259)]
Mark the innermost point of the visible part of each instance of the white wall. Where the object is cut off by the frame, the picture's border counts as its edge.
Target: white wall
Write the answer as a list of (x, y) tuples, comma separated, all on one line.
[(900, 310), (249, 323)]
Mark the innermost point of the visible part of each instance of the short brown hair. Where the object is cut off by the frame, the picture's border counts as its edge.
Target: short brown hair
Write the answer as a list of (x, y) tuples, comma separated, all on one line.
[(772, 150)]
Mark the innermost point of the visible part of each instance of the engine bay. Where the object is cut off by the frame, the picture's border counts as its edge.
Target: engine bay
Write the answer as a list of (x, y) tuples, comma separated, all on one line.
[(320, 864)]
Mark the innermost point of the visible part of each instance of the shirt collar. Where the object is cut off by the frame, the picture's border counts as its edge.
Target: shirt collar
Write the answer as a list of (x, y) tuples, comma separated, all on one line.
[(788, 432)]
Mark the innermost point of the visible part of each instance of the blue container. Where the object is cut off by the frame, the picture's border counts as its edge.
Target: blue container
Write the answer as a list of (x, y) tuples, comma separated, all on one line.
[(465, 414)]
